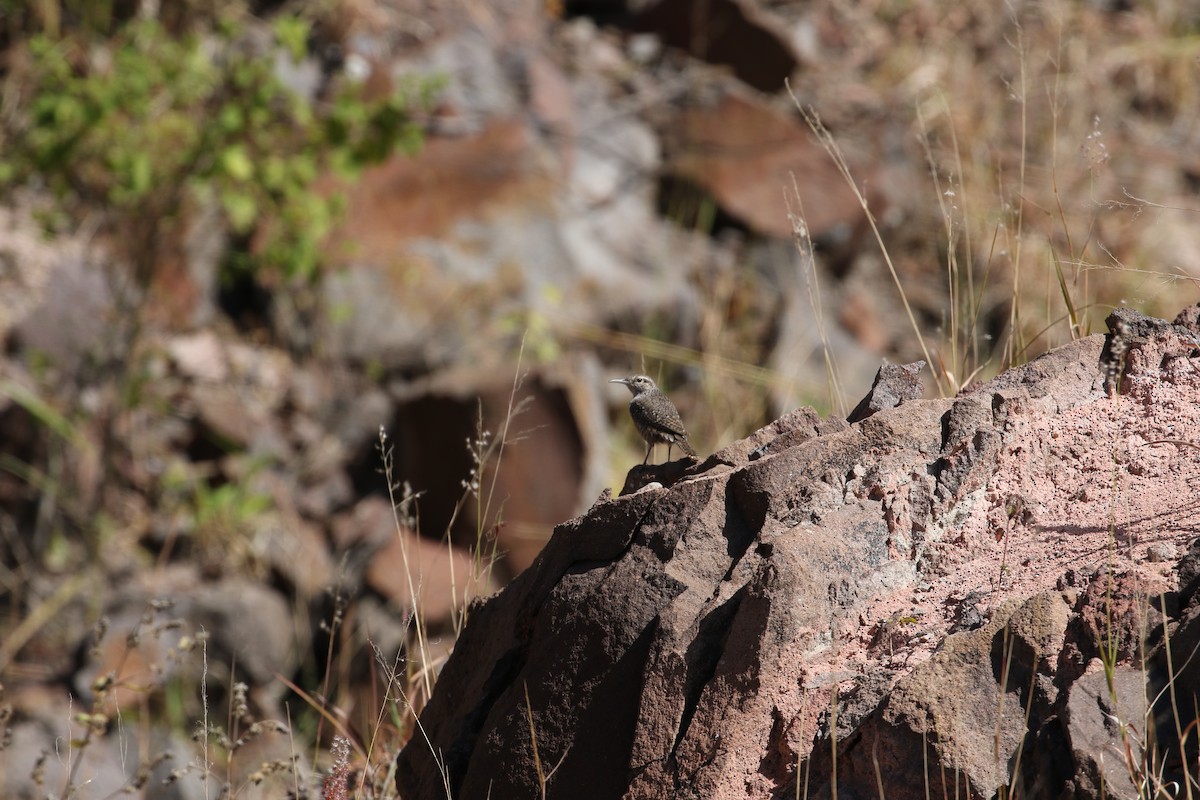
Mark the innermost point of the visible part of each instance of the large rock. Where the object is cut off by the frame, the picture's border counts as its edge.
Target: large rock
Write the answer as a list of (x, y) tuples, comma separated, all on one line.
[(531, 204), (909, 589), (749, 155), (1104, 719), (964, 709)]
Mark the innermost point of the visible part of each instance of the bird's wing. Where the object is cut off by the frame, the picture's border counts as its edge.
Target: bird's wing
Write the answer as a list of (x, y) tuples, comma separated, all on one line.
[(668, 421)]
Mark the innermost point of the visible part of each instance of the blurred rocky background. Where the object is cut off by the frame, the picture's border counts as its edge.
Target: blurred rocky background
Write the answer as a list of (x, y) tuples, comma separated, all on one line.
[(308, 309)]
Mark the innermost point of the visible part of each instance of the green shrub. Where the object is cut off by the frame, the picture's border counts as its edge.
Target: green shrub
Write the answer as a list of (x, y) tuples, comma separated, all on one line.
[(138, 125)]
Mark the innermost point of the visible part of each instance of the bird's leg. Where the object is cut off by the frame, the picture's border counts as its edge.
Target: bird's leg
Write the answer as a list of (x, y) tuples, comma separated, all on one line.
[(668, 452), (649, 448)]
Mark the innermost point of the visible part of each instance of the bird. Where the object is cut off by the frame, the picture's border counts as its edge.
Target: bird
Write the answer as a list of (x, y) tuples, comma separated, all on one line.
[(655, 416)]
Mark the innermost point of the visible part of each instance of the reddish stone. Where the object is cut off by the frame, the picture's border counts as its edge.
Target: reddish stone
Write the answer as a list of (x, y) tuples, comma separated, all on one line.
[(454, 178), (746, 154), (690, 641)]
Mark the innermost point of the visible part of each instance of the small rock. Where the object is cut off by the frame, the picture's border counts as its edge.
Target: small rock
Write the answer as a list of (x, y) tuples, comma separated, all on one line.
[(1189, 572), (1159, 552), (894, 384), (1094, 716), (327, 494), (357, 427), (309, 390), (199, 356), (297, 550), (72, 321), (643, 47), (225, 415), (268, 371), (968, 616)]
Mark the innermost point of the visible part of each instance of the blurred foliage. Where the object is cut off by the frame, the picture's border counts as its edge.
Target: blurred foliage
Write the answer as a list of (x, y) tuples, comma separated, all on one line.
[(132, 128), (130, 122), (219, 518)]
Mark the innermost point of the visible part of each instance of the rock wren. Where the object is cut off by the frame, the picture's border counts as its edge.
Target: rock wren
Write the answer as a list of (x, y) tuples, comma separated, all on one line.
[(655, 416)]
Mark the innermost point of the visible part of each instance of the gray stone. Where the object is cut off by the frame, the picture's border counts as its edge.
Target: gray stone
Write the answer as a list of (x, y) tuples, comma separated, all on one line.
[(72, 324), (1101, 720)]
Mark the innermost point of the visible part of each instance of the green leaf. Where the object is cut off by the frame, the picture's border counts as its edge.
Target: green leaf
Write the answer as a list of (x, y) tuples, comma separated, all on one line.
[(292, 34), (241, 210), (236, 163), (274, 172), (156, 113), (40, 410), (68, 112), (140, 173), (232, 118)]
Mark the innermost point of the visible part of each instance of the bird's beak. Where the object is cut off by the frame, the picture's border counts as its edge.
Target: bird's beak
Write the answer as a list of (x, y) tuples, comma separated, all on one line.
[(620, 380)]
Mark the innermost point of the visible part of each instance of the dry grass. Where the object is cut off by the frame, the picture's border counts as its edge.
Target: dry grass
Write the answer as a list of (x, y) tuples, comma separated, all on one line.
[(1038, 148), (1039, 124)]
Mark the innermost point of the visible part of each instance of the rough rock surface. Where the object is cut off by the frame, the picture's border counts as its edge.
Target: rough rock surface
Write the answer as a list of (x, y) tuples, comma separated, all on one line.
[(894, 384), (932, 591)]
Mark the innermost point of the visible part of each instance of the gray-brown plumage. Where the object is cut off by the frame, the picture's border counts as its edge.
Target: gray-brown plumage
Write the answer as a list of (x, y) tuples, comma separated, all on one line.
[(655, 416)]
